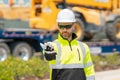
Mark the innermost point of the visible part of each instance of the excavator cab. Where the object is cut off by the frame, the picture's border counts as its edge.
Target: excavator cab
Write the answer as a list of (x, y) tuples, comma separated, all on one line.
[(43, 14), (38, 8)]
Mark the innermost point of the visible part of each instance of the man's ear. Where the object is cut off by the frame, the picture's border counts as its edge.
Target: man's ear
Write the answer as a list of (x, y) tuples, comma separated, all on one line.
[(74, 25), (57, 27)]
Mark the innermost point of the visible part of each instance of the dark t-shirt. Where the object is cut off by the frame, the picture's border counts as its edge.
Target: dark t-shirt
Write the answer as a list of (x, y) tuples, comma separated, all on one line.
[(68, 74)]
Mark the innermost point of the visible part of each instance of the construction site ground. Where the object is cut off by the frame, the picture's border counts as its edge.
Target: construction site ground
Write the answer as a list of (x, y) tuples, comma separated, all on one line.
[(108, 75)]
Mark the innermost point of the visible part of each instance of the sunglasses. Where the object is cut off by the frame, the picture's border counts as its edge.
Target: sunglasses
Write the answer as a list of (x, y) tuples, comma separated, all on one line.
[(65, 26)]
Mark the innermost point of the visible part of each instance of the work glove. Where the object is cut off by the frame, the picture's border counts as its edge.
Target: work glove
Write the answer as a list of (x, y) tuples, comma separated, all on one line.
[(50, 54)]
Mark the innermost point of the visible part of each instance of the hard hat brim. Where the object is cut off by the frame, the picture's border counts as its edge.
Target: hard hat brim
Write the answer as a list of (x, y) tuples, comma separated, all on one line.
[(66, 20)]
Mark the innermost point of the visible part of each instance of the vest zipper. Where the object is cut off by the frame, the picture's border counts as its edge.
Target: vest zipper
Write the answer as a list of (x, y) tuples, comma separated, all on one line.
[(70, 46), (78, 53)]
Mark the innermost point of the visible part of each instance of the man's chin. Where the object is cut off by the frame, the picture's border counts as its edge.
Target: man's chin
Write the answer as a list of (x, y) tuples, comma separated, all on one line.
[(65, 37)]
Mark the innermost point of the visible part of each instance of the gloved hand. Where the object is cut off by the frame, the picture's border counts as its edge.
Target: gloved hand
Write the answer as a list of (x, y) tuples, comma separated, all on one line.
[(50, 54)]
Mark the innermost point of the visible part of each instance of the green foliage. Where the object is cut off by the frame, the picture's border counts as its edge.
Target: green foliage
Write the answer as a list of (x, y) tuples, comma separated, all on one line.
[(14, 68)]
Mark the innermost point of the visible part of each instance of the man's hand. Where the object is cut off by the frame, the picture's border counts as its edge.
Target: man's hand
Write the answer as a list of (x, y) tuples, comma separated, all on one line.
[(50, 54)]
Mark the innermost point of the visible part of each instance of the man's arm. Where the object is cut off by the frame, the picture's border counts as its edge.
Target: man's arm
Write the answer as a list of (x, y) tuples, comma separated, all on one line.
[(89, 67)]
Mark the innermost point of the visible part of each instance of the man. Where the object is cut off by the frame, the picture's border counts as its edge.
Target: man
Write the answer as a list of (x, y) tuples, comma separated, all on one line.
[(69, 59)]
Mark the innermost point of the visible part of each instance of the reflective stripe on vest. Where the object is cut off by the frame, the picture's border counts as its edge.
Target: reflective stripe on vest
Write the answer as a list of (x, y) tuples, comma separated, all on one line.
[(88, 64), (84, 54), (90, 78), (82, 48), (59, 52), (61, 66)]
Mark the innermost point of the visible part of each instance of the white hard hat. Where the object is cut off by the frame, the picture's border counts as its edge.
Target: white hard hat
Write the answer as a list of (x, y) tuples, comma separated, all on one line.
[(66, 15)]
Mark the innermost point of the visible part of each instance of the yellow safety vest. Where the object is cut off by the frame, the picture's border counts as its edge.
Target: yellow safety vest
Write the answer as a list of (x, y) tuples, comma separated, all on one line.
[(74, 54)]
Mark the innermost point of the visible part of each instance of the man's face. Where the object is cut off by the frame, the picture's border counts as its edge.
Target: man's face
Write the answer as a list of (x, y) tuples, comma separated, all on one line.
[(66, 29)]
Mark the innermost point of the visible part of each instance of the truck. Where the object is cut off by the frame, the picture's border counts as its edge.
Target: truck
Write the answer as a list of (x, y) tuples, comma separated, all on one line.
[(104, 47), (20, 42), (93, 16), (16, 36)]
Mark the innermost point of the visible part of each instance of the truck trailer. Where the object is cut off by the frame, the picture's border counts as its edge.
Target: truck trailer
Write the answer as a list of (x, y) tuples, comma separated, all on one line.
[(20, 42)]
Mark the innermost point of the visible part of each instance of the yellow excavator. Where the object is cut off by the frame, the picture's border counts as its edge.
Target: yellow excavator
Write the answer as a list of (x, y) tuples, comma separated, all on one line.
[(10, 10), (43, 14), (92, 16)]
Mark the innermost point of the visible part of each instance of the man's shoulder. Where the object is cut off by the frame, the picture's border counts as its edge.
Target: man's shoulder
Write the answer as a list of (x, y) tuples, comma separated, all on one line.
[(83, 43), (55, 41)]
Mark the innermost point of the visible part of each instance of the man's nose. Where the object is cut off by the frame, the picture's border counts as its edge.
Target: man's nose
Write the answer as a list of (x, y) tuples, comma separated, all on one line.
[(64, 29)]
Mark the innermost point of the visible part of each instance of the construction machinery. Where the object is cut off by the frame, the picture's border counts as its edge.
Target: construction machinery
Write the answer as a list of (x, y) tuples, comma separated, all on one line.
[(15, 9), (22, 40), (16, 37), (43, 14), (93, 16)]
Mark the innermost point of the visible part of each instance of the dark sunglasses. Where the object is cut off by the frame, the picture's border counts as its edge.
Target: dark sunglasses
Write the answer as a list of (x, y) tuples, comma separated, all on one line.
[(65, 26)]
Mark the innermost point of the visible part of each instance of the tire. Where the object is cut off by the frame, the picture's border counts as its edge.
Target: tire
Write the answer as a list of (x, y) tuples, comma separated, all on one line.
[(79, 29), (4, 51), (22, 50), (113, 30)]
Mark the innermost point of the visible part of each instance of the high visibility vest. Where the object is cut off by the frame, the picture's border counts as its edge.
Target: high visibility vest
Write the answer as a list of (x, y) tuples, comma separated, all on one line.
[(72, 55)]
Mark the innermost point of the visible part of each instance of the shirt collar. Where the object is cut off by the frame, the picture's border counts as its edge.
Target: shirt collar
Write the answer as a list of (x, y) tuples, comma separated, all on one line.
[(61, 39)]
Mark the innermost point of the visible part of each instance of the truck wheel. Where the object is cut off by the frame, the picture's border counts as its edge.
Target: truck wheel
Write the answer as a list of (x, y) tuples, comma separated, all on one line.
[(79, 29), (21, 50), (113, 30), (4, 51)]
